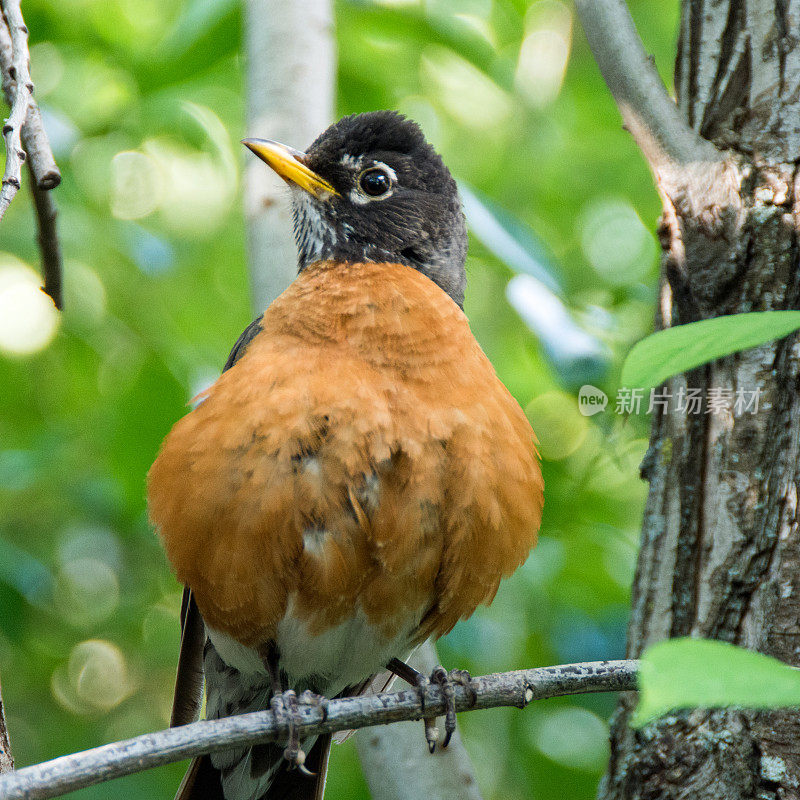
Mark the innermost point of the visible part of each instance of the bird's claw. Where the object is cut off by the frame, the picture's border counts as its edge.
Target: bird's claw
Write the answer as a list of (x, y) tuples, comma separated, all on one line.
[(447, 682), (286, 711), (421, 682)]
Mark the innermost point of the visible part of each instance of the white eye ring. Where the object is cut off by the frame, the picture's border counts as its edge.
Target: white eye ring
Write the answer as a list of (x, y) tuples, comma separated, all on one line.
[(362, 193)]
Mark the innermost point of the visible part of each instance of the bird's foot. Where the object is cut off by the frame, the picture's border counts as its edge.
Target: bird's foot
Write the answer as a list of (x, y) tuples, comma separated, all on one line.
[(421, 682), (447, 682), (309, 698), (286, 711), (285, 706)]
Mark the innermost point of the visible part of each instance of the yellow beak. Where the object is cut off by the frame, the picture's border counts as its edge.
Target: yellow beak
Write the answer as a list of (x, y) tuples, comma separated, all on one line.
[(288, 163)]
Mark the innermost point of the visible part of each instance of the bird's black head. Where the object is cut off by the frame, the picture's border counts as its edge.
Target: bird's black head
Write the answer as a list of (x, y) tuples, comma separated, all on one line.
[(370, 188)]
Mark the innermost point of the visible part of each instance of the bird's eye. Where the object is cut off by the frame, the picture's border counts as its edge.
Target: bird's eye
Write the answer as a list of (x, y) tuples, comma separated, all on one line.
[(375, 181)]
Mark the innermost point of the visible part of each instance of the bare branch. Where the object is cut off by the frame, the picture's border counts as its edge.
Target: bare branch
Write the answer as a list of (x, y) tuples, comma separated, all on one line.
[(6, 759), (100, 764), (20, 102), (49, 244), (648, 111), (34, 137), (44, 172), (44, 169)]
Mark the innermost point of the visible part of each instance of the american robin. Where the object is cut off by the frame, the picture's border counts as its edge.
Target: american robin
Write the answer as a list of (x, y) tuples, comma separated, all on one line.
[(358, 479)]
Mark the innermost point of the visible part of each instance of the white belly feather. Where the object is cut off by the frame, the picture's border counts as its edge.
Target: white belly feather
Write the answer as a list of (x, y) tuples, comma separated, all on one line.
[(341, 656)]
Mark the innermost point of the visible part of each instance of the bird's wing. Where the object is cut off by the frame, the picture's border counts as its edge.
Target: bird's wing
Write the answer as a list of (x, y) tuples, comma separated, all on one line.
[(248, 334), (189, 679), (188, 695), (201, 781)]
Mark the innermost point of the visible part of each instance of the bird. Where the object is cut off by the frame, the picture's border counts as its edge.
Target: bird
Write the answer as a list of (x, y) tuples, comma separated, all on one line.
[(358, 479)]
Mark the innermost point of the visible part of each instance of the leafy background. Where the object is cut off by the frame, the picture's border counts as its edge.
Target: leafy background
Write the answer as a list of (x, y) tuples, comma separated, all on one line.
[(144, 103)]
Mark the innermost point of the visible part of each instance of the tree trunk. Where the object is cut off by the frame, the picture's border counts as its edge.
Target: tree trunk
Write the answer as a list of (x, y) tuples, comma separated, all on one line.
[(291, 68), (720, 549), (398, 766)]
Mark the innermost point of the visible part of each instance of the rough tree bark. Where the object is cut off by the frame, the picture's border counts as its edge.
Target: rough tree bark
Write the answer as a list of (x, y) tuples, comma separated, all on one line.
[(720, 550)]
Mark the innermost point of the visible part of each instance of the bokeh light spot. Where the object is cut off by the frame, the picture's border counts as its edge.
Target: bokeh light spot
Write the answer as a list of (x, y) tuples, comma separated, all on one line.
[(135, 185), (87, 591), (90, 541), (544, 52), (47, 68), (94, 679), (573, 737), (28, 318), (559, 425), (615, 241), (467, 94)]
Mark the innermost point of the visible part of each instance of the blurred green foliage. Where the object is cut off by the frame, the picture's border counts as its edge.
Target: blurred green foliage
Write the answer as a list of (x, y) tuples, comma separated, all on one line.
[(143, 100)]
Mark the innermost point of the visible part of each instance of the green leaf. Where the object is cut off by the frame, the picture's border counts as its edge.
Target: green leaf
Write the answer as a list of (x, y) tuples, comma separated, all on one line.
[(675, 350), (701, 673)]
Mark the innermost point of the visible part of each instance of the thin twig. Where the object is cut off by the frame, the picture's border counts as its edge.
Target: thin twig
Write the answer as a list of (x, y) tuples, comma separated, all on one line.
[(34, 136), (519, 688), (6, 759), (49, 244), (648, 111), (20, 103), (44, 172)]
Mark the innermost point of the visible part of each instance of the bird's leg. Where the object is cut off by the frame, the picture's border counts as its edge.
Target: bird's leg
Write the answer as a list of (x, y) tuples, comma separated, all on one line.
[(421, 683), (404, 671), (283, 703), (446, 682)]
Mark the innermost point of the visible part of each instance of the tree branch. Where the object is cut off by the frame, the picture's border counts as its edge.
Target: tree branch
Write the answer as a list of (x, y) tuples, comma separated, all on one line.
[(6, 759), (100, 764), (44, 172), (21, 96), (34, 137), (49, 244), (649, 113)]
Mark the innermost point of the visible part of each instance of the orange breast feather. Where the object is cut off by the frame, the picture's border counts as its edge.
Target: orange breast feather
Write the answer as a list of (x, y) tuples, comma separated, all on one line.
[(361, 452)]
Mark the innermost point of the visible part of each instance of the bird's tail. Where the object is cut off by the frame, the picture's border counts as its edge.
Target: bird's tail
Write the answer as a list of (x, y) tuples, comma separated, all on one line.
[(203, 781)]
